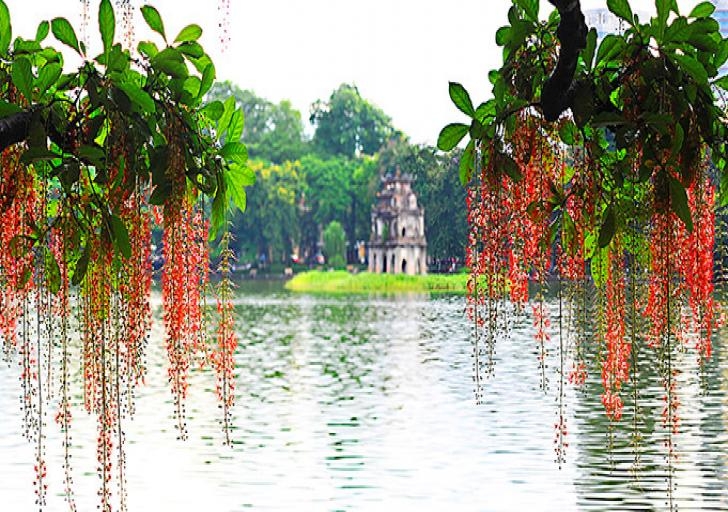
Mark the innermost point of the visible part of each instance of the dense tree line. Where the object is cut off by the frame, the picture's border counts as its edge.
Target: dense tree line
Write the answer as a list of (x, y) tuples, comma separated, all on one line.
[(305, 182)]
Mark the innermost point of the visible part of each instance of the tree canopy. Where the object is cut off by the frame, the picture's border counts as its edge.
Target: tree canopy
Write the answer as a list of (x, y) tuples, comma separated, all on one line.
[(272, 132), (348, 125)]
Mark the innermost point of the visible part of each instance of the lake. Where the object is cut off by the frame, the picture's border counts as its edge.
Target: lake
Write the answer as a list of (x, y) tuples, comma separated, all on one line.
[(367, 403)]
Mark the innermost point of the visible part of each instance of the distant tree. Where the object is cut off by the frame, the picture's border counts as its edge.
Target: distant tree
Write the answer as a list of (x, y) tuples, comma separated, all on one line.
[(335, 245), (337, 188), (272, 132), (270, 225), (349, 125)]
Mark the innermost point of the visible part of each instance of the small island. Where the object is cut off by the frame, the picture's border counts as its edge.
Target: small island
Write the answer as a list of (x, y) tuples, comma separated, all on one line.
[(341, 281)]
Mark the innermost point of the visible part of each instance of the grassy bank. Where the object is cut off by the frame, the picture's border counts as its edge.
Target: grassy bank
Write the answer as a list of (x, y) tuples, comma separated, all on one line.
[(340, 281)]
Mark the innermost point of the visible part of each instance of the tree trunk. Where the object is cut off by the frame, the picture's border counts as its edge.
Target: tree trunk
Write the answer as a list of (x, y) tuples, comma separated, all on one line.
[(558, 92)]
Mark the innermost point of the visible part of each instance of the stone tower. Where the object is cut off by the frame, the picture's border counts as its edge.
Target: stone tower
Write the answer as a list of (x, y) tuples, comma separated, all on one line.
[(397, 244)]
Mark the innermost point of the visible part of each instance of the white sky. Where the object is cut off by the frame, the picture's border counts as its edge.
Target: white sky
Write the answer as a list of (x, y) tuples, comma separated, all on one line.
[(400, 53)]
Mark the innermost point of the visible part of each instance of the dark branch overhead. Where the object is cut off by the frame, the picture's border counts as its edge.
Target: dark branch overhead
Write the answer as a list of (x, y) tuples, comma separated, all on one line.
[(558, 92)]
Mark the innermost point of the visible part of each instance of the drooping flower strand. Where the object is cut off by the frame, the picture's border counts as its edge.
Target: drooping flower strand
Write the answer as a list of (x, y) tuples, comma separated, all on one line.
[(85, 20), (59, 245), (223, 12), (697, 260), (615, 365), (475, 294), (181, 286), (18, 200), (224, 357), (127, 22)]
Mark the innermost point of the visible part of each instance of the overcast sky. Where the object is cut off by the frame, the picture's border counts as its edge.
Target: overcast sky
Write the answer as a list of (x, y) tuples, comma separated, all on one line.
[(400, 53)]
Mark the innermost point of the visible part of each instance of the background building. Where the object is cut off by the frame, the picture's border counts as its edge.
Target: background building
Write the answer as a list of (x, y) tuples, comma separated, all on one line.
[(397, 244)]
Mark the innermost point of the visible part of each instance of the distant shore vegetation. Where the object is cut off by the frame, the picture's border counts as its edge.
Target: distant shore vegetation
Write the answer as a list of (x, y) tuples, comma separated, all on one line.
[(341, 281)]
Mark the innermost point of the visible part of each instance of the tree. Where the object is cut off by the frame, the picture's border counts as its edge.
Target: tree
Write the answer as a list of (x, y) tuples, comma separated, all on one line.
[(335, 245), (594, 164), (272, 132), (89, 159), (270, 226), (337, 188), (348, 125)]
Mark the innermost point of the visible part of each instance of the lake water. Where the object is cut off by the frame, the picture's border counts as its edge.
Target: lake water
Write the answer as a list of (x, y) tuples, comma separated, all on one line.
[(351, 403)]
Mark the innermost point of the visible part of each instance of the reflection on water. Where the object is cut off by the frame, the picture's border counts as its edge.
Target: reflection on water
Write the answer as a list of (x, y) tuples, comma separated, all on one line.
[(351, 403)]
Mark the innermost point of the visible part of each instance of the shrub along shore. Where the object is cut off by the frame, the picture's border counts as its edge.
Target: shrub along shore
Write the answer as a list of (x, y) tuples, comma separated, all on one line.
[(340, 281)]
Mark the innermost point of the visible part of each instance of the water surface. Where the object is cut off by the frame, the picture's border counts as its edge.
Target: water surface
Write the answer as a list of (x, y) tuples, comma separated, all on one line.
[(366, 403)]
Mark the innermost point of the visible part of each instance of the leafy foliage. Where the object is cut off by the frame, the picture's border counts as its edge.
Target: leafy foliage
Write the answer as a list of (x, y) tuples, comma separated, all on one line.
[(618, 184), (348, 125), (335, 244)]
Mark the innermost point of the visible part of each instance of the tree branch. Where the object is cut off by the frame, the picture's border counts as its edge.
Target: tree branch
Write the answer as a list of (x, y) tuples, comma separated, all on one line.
[(14, 128), (558, 93)]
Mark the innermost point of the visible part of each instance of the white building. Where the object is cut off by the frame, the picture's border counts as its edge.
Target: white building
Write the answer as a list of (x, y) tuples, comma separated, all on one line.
[(397, 244)]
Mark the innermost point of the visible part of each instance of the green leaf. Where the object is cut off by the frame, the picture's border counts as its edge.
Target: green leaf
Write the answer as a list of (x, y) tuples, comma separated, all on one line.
[(154, 20), (192, 49), (451, 135), (677, 140), (6, 30), (609, 225), (722, 82), (503, 36), (63, 31), (49, 75), (467, 163), (621, 9), (121, 236), (511, 168), (213, 110), (663, 11), (704, 43), (530, 8), (148, 48), (81, 266), (8, 109), (235, 129), (679, 202), (678, 31), (22, 75), (235, 151), (189, 33), (702, 10), (609, 47), (208, 77), (238, 177), (707, 26), (461, 99), (591, 46), (92, 154), (36, 154), (107, 24), (690, 66), (569, 133), (227, 114), (138, 96), (171, 62), (219, 207), (485, 111), (42, 32)]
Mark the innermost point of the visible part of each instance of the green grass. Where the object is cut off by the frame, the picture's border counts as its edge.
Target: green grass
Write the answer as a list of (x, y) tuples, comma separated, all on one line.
[(340, 281)]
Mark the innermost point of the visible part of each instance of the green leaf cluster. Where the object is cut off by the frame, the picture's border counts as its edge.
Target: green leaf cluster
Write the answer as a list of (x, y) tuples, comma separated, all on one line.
[(97, 133)]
